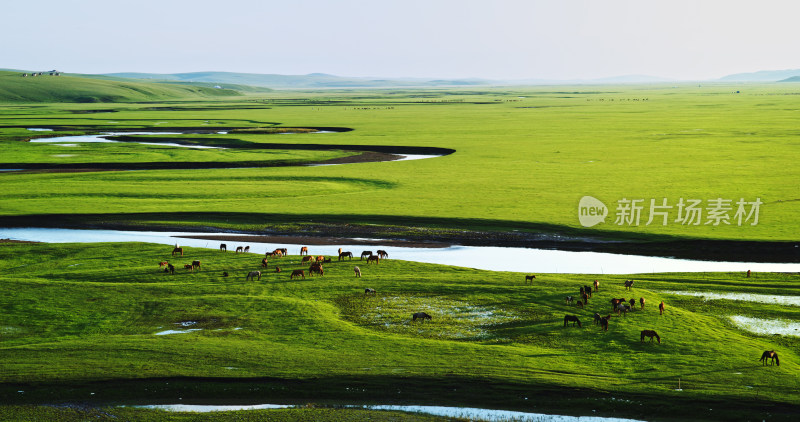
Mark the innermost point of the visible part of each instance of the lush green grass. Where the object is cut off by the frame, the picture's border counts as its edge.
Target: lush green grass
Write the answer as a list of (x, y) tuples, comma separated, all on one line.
[(63, 88), (520, 162), (78, 315)]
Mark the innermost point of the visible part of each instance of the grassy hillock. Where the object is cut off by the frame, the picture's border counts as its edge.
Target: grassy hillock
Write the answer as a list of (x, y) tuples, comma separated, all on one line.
[(80, 322), (77, 89)]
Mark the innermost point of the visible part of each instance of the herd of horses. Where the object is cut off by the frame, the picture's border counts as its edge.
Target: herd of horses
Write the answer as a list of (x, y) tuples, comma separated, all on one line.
[(618, 305)]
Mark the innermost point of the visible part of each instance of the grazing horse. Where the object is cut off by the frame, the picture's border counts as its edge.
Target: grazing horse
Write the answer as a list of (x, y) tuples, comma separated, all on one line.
[(306, 259), (177, 250), (320, 258), (604, 322), (315, 268), (580, 304), (277, 269), (420, 315), (224, 273), (373, 258), (189, 267), (369, 291), (568, 299), (651, 334), (661, 308), (573, 319), (170, 268), (239, 249), (340, 251), (357, 271), (623, 308), (585, 298), (223, 247), (304, 250), (587, 290), (283, 251), (196, 264), (529, 278), (253, 274), (343, 255), (628, 284), (633, 303), (366, 254), (163, 264), (770, 354), (641, 302), (596, 285), (597, 318), (383, 254), (264, 263), (297, 273)]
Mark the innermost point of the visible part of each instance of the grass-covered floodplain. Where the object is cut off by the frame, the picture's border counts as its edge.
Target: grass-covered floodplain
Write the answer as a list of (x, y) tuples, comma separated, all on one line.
[(524, 158), (80, 322)]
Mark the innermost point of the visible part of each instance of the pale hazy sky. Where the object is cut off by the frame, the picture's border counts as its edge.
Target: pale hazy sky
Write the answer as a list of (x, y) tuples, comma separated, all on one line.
[(498, 39)]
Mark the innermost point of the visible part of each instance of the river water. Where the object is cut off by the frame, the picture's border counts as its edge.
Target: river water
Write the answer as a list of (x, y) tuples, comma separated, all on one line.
[(480, 257)]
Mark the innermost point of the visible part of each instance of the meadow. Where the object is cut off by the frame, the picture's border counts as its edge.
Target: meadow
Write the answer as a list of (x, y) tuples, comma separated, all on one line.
[(81, 323), (524, 158)]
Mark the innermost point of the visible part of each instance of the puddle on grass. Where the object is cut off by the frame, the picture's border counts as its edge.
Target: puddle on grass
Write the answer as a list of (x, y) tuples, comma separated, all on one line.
[(168, 332), (745, 297), (767, 326), (468, 413)]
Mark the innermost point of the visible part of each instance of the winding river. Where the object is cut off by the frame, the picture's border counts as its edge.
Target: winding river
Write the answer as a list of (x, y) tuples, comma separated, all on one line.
[(480, 257)]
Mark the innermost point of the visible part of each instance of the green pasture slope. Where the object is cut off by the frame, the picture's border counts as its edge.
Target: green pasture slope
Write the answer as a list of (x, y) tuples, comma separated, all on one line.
[(79, 325), (524, 157)]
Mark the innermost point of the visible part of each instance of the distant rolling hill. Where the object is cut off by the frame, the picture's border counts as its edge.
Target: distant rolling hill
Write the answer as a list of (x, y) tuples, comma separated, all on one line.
[(313, 80), (762, 76), (82, 89), (792, 79)]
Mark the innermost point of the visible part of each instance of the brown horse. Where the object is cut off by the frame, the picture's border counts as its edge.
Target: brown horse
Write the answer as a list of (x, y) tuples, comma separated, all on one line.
[(297, 273), (320, 258), (170, 269), (373, 258), (641, 302), (596, 285), (163, 264), (177, 250), (529, 278), (253, 274), (264, 263), (223, 247), (651, 334), (420, 315), (343, 255), (306, 259), (383, 254), (315, 268), (366, 254), (573, 319), (239, 249), (189, 267), (304, 250), (196, 264), (604, 322), (770, 354), (628, 284), (661, 308)]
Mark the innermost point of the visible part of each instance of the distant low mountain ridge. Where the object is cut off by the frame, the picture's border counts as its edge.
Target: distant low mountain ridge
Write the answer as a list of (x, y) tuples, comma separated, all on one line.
[(763, 76), (792, 79)]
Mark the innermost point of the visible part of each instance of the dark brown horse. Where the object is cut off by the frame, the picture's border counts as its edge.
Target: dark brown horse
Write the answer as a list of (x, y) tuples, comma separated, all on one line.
[(223, 247), (382, 254), (651, 334), (770, 354), (628, 284), (661, 308), (264, 263), (529, 278), (420, 315), (297, 273), (343, 255), (573, 319), (239, 249), (604, 322), (366, 254), (641, 301), (176, 250), (596, 285), (373, 258), (196, 264)]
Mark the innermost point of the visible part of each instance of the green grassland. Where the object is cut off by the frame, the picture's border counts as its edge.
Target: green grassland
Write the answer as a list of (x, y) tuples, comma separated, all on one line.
[(77, 89), (524, 157), (79, 324)]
